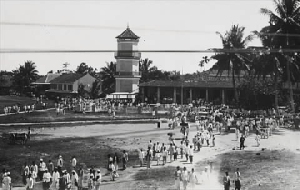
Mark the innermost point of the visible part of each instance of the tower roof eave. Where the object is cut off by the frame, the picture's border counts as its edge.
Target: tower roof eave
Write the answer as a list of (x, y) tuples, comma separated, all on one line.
[(128, 34)]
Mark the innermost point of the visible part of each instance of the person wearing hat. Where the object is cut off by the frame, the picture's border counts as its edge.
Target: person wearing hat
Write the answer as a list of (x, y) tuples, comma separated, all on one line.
[(42, 169), (46, 179), (6, 182), (98, 180)]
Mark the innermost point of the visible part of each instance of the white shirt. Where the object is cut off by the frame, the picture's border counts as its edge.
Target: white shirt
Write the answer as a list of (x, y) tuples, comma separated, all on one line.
[(55, 176), (185, 175), (191, 152), (42, 166), (47, 177), (74, 162)]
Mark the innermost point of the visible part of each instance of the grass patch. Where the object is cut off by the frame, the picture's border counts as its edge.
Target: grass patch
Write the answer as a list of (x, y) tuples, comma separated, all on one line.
[(263, 170), (157, 177), (22, 100), (91, 151), (50, 116)]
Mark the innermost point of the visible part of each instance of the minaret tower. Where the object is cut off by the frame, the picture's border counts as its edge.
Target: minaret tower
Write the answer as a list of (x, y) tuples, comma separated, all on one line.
[(127, 66)]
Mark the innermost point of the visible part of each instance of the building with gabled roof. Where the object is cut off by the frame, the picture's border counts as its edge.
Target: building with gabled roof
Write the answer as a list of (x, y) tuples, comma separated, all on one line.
[(67, 85), (43, 83)]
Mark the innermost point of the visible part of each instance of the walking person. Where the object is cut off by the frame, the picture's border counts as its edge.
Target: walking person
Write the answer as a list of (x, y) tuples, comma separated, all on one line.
[(226, 181), (191, 154), (171, 151), (257, 138), (29, 183), (185, 178), (193, 179), (74, 180), (242, 142), (237, 180), (55, 179), (177, 178), (98, 180), (181, 149), (213, 141), (125, 159), (187, 152)]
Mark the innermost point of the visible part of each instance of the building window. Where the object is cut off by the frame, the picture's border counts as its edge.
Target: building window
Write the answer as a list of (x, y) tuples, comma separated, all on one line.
[(70, 87), (60, 87), (65, 87), (53, 86)]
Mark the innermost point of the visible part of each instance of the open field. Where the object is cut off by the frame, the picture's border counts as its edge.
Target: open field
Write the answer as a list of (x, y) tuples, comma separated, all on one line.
[(50, 116), (91, 144)]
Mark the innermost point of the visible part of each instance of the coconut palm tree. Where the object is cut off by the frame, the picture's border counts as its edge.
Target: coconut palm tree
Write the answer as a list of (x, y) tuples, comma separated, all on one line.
[(146, 69), (24, 76), (231, 57), (108, 77), (285, 29)]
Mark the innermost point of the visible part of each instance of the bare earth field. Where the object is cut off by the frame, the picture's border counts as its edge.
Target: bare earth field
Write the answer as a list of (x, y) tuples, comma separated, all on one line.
[(274, 167)]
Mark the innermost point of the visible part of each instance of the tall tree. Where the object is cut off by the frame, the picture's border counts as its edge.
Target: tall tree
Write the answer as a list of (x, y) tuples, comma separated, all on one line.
[(24, 76), (146, 69), (231, 57), (108, 77), (83, 69), (285, 29)]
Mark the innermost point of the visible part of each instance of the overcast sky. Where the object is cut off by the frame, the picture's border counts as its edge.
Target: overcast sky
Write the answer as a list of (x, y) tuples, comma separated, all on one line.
[(93, 25)]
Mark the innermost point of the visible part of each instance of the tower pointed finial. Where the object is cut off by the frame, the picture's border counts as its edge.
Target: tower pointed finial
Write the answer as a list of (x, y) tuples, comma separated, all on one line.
[(127, 25)]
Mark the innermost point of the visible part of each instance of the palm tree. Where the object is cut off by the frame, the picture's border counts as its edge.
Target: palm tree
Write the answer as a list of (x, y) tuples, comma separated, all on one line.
[(146, 69), (231, 58), (24, 76), (285, 29), (108, 77)]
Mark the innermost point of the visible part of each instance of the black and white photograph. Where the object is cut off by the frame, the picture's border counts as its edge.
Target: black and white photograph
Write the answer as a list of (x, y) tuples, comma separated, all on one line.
[(149, 94)]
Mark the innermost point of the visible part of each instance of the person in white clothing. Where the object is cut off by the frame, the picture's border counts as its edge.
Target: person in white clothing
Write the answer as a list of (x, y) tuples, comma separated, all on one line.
[(177, 178), (46, 180), (185, 178), (55, 179), (60, 164), (6, 182), (193, 179), (74, 180), (29, 183), (42, 169), (98, 180), (73, 162)]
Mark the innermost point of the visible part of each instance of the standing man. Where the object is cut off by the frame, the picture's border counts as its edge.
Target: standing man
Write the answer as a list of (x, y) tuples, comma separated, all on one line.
[(191, 154), (73, 162), (125, 159), (141, 157), (46, 180), (242, 142), (226, 181), (51, 167), (42, 169), (237, 181), (177, 178), (60, 164), (116, 161)]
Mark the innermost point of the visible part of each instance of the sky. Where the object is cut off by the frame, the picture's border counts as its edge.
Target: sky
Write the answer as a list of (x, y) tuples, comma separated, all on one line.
[(93, 25)]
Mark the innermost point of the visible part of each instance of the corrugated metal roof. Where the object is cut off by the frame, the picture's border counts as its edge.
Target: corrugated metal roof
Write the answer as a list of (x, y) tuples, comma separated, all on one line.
[(66, 78)]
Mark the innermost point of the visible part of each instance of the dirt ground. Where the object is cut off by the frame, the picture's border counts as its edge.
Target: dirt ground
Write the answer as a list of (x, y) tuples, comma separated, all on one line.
[(91, 144)]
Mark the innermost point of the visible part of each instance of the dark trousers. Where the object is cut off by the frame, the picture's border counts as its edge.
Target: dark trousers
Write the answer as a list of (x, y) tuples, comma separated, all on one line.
[(191, 159), (237, 185), (181, 152), (242, 146)]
